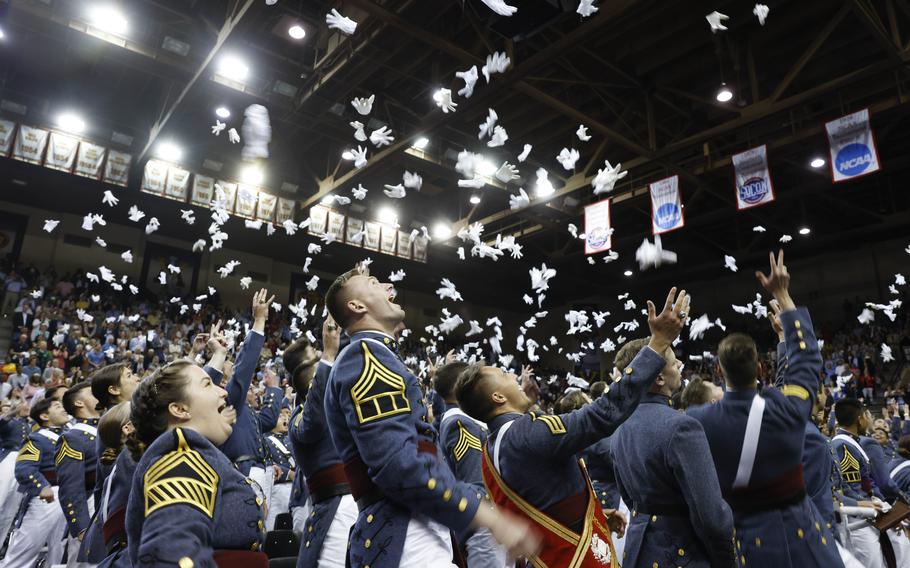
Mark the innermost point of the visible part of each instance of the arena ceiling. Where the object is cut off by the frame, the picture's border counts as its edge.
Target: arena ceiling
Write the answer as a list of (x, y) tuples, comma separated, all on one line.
[(640, 74)]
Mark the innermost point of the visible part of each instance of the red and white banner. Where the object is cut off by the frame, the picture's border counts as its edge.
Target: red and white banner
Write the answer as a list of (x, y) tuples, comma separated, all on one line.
[(286, 209), (228, 194), (420, 249), (178, 183), (154, 178), (598, 228), (30, 144), (246, 201), (404, 245), (117, 168), (666, 206), (372, 238), (89, 160), (852, 146), (354, 226), (61, 152), (752, 177), (319, 220), (336, 225), (7, 130), (203, 190), (265, 211)]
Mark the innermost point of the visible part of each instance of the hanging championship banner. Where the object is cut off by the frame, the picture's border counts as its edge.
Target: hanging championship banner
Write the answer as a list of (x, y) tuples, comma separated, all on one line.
[(7, 129), (228, 194), (336, 225), (319, 220), (852, 144), (246, 201), (178, 183), (666, 206), (371, 239), (203, 188), (265, 211), (117, 168), (30, 144), (404, 245), (154, 177), (89, 160), (285, 210), (420, 249), (61, 152), (752, 177), (388, 240), (598, 230), (354, 227)]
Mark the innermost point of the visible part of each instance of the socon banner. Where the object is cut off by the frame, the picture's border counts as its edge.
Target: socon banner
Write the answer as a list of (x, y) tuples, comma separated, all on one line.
[(752, 178)]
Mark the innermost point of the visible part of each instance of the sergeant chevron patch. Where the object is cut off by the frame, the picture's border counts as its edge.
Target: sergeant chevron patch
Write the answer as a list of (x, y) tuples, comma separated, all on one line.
[(466, 442), (379, 392), (182, 476)]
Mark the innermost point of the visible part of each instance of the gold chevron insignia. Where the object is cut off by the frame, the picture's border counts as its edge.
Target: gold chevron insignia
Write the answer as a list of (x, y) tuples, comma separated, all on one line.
[(378, 393), (554, 423), (66, 451), (466, 441), (795, 390), (849, 468), (29, 453), (181, 477)]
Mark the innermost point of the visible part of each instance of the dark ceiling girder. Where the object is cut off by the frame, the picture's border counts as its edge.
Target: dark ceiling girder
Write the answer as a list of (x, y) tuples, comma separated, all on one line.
[(226, 30), (867, 15)]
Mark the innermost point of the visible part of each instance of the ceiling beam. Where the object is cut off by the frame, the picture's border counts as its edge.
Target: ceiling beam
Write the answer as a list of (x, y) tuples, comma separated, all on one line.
[(867, 15), (230, 25)]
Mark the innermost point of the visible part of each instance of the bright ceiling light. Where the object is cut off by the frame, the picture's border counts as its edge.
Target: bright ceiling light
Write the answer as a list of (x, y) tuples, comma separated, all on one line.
[(475, 199), (387, 215), (817, 162), (109, 19), (627, 273), (347, 155), (233, 67), (222, 112), (70, 123), (2, 35), (251, 175), (486, 167), (169, 151), (442, 231), (544, 188), (724, 95), (296, 32), (804, 230), (327, 200), (421, 143)]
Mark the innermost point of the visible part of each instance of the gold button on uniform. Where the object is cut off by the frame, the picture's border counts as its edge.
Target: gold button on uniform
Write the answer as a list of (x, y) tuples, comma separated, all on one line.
[(431, 484), (185, 562), (628, 370), (653, 518), (757, 542), (370, 518), (367, 543), (462, 505), (447, 495), (802, 344), (800, 533), (681, 552)]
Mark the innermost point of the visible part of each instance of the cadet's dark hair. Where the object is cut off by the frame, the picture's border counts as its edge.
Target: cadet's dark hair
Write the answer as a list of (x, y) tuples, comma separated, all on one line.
[(598, 389), (70, 396), (903, 447), (847, 411), (107, 376), (572, 401), (628, 352), (472, 394), (696, 393), (299, 366), (40, 407), (110, 431), (149, 408), (738, 358), (446, 377), (335, 298)]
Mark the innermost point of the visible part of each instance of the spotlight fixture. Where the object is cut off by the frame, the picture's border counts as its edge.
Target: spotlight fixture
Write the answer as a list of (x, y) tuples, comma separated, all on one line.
[(475, 199), (442, 231), (296, 32), (70, 123), (327, 200), (169, 151), (421, 143), (347, 155), (804, 231), (387, 215), (724, 95), (544, 188), (108, 19), (627, 273), (817, 162), (486, 168), (222, 112), (233, 67), (252, 175)]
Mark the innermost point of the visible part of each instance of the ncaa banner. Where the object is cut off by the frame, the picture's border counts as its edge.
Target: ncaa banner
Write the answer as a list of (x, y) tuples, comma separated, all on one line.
[(666, 206), (853, 152), (753, 178), (154, 177), (89, 160), (117, 168), (61, 152), (598, 232)]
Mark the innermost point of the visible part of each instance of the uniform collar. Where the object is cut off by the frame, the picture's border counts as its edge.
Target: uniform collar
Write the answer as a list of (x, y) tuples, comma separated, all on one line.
[(500, 420), (89, 421), (375, 335), (450, 406), (848, 433), (739, 394), (656, 398)]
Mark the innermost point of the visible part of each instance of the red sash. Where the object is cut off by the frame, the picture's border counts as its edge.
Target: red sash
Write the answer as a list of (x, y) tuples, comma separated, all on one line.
[(561, 547)]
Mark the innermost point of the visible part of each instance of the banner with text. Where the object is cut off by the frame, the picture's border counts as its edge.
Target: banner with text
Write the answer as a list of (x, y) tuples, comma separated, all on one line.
[(666, 206), (89, 160), (598, 230), (61, 152), (30, 144), (852, 144), (752, 177)]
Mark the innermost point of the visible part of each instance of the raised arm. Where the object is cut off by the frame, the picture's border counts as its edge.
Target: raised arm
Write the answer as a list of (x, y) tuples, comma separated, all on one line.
[(248, 358)]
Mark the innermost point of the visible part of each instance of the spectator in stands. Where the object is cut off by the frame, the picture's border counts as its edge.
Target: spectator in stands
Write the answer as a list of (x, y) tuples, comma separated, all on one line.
[(32, 368), (19, 379), (95, 356)]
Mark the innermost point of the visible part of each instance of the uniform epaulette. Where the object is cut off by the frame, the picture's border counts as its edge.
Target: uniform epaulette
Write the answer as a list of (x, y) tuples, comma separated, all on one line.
[(66, 451), (181, 476), (466, 442), (554, 423), (29, 452), (795, 390)]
